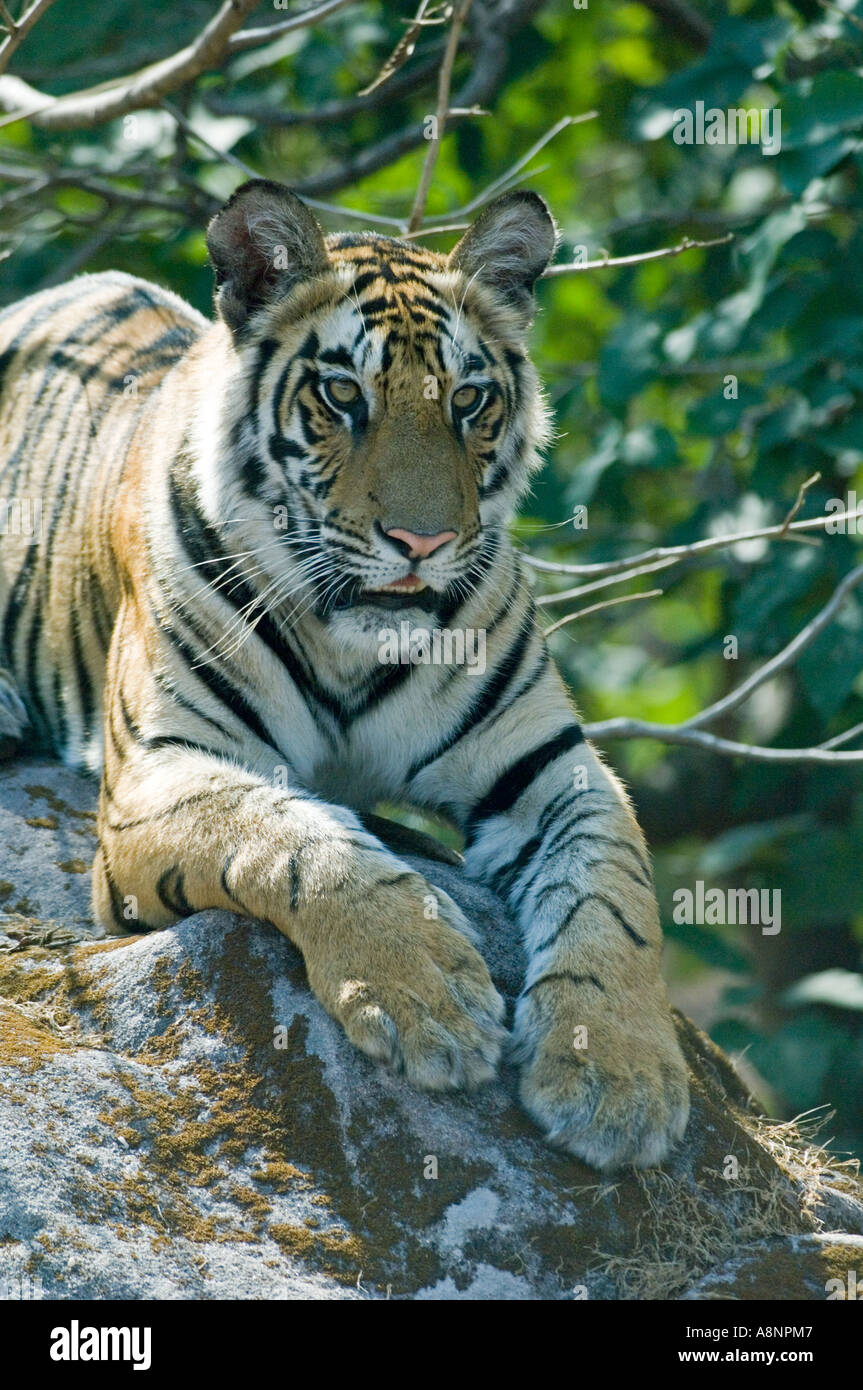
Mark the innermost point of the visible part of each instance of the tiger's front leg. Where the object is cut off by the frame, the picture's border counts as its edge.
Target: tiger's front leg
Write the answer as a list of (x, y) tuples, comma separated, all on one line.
[(386, 954), (601, 1068)]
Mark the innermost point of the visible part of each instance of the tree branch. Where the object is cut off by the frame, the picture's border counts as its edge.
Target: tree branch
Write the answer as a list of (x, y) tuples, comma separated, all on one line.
[(608, 262), (331, 112), (691, 731), (459, 16), (596, 607), (255, 38), (139, 90), (712, 743), (492, 33), (18, 31), (673, 554)]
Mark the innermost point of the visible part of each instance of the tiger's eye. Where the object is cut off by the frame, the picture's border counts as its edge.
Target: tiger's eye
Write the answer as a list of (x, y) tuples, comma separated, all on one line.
[(465, 397), (343, 390)]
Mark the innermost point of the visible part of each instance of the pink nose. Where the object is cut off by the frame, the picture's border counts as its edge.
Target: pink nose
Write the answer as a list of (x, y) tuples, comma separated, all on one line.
[(421, 546)]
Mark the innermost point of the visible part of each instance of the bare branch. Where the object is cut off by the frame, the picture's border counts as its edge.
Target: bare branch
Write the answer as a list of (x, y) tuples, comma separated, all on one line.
[(444, 83), (146, 88), (403, 50), (230, 158), (845, 737), (798, 502), (255, 38), (691, 730), (675, 553), (329, 112), (17, 32), (510, 174), (491, 35), (607, 262), (623, 577), (113, 195), (712, 743), (595, 608), (789, 654), (841, 14)]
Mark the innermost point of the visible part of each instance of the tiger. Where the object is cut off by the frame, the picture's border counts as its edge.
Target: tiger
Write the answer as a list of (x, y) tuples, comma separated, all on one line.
[(234, 513)]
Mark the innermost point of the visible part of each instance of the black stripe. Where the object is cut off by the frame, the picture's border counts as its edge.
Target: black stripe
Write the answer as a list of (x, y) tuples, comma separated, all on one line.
[(567, 922), (219, 686), (517, 778), (171, 892), (564, 975), (488, 697)]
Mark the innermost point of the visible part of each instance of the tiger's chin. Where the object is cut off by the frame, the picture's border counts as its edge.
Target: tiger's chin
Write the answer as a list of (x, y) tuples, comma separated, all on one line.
[(367, 622)]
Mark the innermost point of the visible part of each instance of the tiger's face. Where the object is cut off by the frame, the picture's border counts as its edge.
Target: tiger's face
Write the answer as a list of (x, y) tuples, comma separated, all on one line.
[(384, 415)]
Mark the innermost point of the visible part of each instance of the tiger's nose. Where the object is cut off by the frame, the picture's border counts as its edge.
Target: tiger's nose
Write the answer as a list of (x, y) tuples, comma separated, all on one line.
[(419, 547)]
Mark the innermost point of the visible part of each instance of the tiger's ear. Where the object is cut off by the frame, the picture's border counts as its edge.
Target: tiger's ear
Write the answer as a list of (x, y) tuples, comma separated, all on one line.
[(508, 247), (262, 243)]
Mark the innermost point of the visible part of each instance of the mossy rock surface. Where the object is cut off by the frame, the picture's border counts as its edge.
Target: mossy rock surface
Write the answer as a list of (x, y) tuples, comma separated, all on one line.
[(180, 1119)]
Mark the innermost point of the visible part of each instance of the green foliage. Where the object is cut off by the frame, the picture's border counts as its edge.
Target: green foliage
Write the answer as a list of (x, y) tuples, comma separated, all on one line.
[(693, 396)]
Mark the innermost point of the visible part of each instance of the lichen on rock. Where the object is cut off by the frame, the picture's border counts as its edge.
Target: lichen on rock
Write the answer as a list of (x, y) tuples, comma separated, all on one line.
[(179, 1118)]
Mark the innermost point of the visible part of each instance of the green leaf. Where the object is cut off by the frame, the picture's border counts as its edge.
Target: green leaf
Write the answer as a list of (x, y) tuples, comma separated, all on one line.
[(818, 108), (829, 668), (708, 946)]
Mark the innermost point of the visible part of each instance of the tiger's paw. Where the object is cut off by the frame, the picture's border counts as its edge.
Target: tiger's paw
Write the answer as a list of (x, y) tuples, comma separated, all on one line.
[(612, 1092), (413, 994)]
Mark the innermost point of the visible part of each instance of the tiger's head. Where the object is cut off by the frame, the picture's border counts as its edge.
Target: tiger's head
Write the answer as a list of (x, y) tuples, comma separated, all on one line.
[(380, 416)]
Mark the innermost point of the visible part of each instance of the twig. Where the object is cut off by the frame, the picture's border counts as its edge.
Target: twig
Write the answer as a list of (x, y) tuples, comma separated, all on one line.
[(690, 731), (132, 197), (515, 169), (17, 32), (609, 262), (330, 112), (623, 577), (443, 104), (788, 655), (844, 737), (675, 553), (227, 155), (403, 50), (798, 503), (146, 88), (492, 35), (841, 14), (699, 738), (595, 607), (254, 38), (188, 129)]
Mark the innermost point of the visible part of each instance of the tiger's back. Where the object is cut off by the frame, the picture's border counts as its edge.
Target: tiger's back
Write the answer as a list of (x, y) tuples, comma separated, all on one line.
[(78, 364)]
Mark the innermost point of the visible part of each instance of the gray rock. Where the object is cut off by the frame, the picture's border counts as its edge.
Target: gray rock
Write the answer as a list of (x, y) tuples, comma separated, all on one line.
[(180, 1119)]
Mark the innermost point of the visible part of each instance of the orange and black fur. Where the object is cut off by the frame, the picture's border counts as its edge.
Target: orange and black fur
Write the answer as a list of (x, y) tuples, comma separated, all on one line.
[(232, 517)]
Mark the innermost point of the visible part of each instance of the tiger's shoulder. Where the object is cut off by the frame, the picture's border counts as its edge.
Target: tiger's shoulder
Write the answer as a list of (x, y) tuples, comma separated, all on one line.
[(91, 312)]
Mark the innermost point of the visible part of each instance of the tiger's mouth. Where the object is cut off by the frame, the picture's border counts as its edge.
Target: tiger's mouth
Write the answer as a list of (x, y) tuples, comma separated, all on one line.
[(408, 592), (408, 584)]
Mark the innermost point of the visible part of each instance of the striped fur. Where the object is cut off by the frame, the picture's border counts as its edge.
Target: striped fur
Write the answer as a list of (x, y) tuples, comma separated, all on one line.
[(195, 621)]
